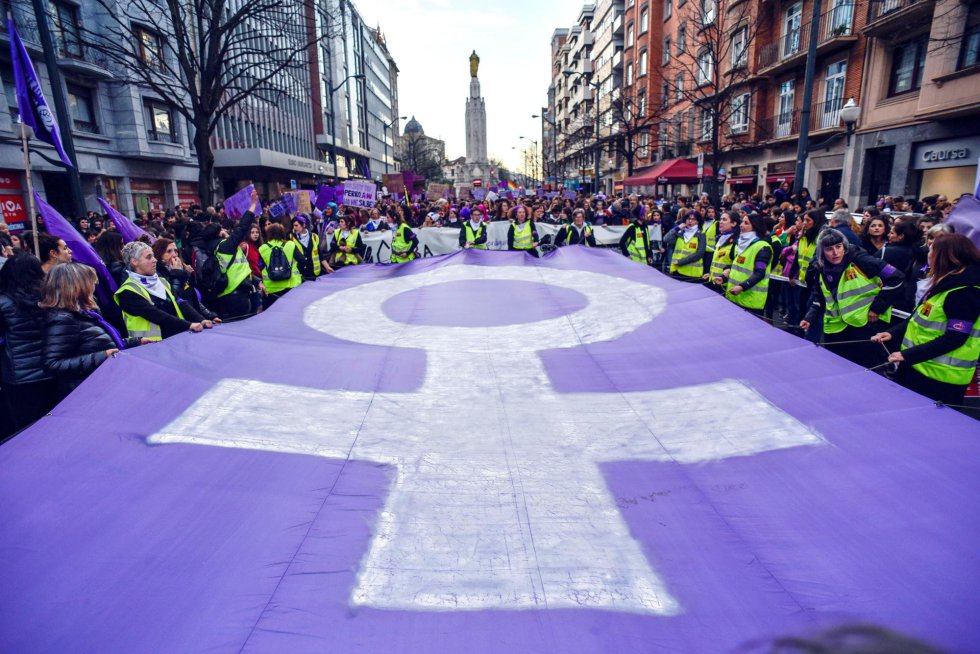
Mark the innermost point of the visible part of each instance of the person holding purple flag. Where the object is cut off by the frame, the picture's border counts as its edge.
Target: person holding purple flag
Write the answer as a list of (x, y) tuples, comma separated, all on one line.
[(77, 339)]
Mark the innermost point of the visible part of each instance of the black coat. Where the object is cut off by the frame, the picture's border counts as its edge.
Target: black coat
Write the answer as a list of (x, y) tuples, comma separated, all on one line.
[(74, 346), (22, 331)]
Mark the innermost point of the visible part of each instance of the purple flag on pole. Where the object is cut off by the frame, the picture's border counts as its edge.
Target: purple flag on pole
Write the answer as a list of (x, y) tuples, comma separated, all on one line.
[(324, 196), (129, 230), (81, 251), (239, 202), (31, 105), (614, 492), (965, 216)]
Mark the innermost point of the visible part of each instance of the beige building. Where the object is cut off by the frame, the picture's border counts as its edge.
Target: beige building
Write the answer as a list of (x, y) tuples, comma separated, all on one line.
[(919, 132), (574, 115)]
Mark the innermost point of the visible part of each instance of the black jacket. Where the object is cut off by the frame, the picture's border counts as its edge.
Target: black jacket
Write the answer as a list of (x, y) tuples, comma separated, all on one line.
[(568, 235), (160, 311), (74, 346), (22, 331), (182, 286)]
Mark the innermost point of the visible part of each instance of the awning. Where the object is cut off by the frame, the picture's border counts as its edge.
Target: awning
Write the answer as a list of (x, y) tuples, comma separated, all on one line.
[(673, 171), (779, 179), (750, 179)]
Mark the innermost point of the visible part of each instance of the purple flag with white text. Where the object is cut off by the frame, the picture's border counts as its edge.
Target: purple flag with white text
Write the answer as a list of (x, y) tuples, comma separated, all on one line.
[(129, 230), (238, 203), (487, 452), (31, 105)]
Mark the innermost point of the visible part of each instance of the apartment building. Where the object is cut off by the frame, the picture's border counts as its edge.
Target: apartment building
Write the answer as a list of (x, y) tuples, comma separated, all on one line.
[(574, 102), (606, 66), (919, 132)]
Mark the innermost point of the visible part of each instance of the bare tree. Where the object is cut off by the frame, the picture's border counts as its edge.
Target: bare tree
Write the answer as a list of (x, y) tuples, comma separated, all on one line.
[(421, 157), (207, 58), (708, 71), (635, 117)]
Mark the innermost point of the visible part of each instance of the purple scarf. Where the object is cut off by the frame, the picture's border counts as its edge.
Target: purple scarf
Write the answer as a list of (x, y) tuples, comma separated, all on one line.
[(112, 331)]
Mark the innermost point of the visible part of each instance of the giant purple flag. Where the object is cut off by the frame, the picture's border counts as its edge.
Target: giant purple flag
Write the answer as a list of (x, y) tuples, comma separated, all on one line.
[(508, 454), (129, 230), (31, 105), (81, 251)]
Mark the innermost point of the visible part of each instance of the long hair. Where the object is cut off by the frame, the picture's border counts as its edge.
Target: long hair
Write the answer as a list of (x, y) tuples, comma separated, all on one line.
[(758, 224), (819, 219), (109, 246), (69, 286), (160, 247), (949, 253), (22, 276)]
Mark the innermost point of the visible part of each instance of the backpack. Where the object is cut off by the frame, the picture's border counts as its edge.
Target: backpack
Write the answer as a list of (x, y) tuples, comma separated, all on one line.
[(279, 269), (211, 278)]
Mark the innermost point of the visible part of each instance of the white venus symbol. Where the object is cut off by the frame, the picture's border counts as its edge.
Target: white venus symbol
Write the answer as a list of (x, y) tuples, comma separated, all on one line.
[(507, 509)]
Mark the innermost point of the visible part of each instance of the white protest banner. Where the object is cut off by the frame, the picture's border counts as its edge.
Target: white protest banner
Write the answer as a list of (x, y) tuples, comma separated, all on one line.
[(359, 194)]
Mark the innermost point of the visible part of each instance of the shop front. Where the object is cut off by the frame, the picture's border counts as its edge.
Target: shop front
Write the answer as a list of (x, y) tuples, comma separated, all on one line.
[(148, 194), (743, 179), (947, 167), (12, 203), (187, 195), (778, 172)]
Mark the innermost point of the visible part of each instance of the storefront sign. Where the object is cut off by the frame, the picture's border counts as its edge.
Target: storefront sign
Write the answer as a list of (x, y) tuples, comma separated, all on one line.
[(949, 153), (12, 204), (187, 195)]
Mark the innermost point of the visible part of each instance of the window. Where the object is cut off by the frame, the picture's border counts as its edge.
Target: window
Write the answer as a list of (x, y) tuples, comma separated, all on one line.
[(643, 64), (629, 36), (9, 90), (908, 62), (833, 94), (664, 94), (841, 17), (641, 105), (629, 73), (792, 26), (707, 124), (708, 12), (739, 120), (643, 148), (151, 49), (705, 68), (784, 115), (159, 121), (740, 54), (644, 20), (970, 50), (681, 38), (665, 55), (82, 108), (679, 87), (668, 9), (66, 30)]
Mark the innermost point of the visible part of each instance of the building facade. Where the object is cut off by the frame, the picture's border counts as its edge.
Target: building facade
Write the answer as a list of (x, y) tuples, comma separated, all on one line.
[(574, 102)]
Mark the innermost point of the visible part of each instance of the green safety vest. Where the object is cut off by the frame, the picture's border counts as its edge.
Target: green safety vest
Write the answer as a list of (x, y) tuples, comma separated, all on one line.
[(929, 322), (471, 236), (855, 293), (289, 248), (400, 246), (235, 266), (637, 248), (742, 267), (721, 259), (710, 236), (805, 251), (523, 238), (685, 249), (351, 242), (141, 327), (586, 233), (314, 251)]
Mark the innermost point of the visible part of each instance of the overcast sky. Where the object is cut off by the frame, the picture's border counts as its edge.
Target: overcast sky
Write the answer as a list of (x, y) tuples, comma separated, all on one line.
[(431, 42)]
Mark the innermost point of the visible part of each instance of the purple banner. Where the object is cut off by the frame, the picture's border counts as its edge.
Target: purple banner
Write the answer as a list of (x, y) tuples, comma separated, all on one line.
[(509, 454), (479, 193), (237, 204), (129, 230), (324, 196), (81, 251)]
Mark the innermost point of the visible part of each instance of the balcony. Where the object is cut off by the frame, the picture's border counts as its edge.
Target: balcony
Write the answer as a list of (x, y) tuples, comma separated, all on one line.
[(83, 61), (826, 115), (617, 61), (779, 126), (587, 67), (617, 27), (835, 30), (886, 16)]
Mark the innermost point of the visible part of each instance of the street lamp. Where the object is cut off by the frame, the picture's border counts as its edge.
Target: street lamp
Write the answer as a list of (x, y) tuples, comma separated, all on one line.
[(849, 115), (595, 106), (554, 143), (333, 119), (387, 126), (534, 158)]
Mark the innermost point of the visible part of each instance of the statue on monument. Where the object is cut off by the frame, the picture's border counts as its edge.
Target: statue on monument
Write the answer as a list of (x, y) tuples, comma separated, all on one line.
[(474, 63)]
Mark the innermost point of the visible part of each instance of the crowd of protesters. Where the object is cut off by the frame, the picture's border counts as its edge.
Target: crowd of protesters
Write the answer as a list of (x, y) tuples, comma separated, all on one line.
[(810, 265)]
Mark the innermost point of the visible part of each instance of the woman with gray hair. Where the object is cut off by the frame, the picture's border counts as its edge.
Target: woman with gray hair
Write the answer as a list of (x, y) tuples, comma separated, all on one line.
[(149, 307)]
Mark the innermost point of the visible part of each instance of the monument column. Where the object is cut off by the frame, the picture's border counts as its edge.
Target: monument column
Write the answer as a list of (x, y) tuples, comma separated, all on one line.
[(476, 118)]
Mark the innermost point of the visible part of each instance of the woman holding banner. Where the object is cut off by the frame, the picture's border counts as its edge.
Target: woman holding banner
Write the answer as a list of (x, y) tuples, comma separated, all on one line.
[(522, 235)]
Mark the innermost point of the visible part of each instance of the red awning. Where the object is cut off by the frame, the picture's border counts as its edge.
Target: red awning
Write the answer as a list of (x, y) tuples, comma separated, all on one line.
[(674, 171), (742, 180), (779, 179)]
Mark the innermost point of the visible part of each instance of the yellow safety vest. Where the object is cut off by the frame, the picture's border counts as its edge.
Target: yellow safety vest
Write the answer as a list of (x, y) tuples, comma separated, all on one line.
[(400, 246), (523, 238), (637, 248), (805, 251), (850, 306), (683, 249), (742, 267), (471, 236), (314, 251), (295, 279), (351, 242), (929, 322), (721, 259), (137, 326), (235, 266)]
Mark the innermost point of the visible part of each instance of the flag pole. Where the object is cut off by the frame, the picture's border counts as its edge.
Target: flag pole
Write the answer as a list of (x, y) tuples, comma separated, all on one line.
[(30, 189)]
